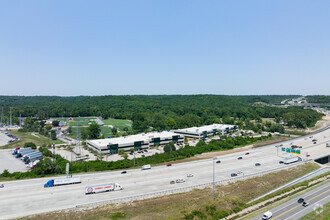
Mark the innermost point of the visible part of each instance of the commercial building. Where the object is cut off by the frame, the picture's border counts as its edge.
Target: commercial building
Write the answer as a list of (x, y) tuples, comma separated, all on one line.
[(138, 141), (206, 130)]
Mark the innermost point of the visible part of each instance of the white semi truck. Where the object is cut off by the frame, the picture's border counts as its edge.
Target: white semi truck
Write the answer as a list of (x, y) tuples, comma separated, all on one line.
[(290, 160), (103, 188), (59, 182)]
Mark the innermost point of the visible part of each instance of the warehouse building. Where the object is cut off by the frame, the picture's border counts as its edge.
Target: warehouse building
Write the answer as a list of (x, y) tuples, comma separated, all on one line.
[(206, 130), (138, 141)]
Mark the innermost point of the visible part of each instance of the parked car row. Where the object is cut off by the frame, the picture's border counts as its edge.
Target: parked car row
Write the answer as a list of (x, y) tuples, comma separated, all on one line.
[(13, 137)]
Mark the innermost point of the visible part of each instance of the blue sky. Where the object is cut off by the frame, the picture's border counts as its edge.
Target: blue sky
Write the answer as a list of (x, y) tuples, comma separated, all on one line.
[(99, 47)]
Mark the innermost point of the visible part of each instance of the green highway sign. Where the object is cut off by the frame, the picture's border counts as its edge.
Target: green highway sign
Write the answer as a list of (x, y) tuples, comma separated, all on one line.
[(283, 148), (288, 150)]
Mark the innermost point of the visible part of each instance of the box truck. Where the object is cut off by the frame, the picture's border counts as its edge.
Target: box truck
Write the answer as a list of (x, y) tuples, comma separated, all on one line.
[(103, 188), (146, 167), (59, 182)]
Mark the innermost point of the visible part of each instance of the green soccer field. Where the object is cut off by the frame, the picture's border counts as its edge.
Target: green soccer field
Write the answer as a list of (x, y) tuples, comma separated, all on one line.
[(119, 123)]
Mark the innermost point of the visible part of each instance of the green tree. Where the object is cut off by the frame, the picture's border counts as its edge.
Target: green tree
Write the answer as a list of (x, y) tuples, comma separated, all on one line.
[(52, 135), (69, 130), (125, 156), (48, 127), (55, 123), (83, 133), (168, 148), (114, 130), (94, 131), (30, 144), (121, 152)]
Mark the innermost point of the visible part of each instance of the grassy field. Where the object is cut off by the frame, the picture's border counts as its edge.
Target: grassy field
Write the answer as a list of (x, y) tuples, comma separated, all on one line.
[(322, 213), (176, 206), (38, 139), (119, 124)]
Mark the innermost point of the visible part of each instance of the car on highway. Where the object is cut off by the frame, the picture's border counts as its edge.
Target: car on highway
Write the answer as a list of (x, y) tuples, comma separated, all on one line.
[(168, 165), (267, 215), (257, 164), (142, 155), (219, 161), (172, 182), (247, 153), (314, 142), (300, 200), (239, 158), (124, 172), (190, 175), (233, 174), (305, 204), (145, 150), (1, 186), (180, 181)]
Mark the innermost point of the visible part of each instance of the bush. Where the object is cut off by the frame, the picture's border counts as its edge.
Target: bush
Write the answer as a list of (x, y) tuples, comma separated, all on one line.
[(30, 144), (220, 214)]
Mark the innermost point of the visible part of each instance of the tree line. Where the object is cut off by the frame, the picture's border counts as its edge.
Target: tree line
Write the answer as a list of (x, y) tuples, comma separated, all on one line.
[(162, 112)]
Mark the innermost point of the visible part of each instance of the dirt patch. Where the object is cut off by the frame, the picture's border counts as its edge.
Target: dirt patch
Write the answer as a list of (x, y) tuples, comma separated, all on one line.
[(272, 141), (325, 122)]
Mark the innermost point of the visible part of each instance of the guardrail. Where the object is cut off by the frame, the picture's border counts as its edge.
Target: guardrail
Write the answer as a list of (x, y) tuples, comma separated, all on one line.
[(187, 188)]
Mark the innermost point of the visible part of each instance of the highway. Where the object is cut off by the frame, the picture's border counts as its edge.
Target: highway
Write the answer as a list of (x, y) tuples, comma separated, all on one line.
[(292, 210), (26, 197)]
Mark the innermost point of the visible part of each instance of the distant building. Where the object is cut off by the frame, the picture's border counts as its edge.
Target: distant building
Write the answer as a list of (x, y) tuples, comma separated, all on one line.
[(138, 141), (206, 130)]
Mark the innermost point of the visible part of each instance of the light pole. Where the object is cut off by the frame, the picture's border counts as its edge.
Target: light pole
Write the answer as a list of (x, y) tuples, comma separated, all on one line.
[(214, 158)]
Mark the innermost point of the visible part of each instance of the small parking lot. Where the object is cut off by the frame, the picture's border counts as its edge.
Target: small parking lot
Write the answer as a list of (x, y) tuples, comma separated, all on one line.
[(9, 162)]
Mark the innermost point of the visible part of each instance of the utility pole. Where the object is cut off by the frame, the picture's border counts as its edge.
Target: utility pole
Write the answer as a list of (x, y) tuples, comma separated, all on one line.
[(10, 117), (2, 117)]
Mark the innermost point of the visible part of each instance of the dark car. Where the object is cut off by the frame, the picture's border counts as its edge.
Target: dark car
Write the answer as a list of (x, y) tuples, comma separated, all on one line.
[(142, 155), (314, 142), (168, 165), (247, 153), (218, 161), (233, 174), (239, 158), (123, 172), (301, 200), (145, 150), (257, 164)]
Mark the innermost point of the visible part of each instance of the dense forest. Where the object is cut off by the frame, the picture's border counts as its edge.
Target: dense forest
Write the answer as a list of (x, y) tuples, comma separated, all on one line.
[(161, 112), (267, 99), (318, 99)]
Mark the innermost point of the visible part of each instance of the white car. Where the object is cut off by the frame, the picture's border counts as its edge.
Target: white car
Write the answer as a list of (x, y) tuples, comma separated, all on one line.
[(180, 180), (267, 215), (190, 175)]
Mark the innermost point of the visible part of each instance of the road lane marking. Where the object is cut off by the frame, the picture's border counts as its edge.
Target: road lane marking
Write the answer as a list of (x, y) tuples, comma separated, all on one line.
[(299, 205)]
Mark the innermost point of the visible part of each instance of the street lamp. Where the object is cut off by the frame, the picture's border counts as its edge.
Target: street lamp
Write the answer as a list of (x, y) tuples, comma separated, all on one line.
[(214, 158)]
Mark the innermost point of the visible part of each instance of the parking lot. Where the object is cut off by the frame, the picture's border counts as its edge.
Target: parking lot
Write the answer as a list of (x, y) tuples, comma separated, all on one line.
[(6, 137), (9, 162)]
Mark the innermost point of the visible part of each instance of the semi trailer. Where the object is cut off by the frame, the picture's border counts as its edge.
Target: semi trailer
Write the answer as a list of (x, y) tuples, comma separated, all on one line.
[(26, 155), (22, 152), (34, 157), (103, 188), (17, 150), (289, 160), (60, 182)]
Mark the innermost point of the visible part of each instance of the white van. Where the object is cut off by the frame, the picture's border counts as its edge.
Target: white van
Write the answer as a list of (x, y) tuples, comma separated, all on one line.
[(267, 215), (146, 167)]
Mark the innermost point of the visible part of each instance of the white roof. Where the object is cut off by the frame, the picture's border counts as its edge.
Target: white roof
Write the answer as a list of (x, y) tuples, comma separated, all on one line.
[(207, 128), (146, 137)]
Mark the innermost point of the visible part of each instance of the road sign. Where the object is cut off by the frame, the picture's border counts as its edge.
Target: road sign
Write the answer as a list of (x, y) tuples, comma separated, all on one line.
[(288, 150), (298, 152), (283, 148), (293, 151)]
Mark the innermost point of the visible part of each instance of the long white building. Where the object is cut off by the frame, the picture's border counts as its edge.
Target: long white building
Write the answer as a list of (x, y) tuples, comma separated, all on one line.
[(206, 130), (138, 141)]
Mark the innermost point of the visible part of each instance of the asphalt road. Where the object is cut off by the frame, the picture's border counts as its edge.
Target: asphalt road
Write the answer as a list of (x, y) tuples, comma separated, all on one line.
[(26, 197), (292, 210)]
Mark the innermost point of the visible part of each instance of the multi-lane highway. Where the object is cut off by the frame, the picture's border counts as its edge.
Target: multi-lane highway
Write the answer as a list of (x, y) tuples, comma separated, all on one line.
[(292, 210), (21, 198)]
